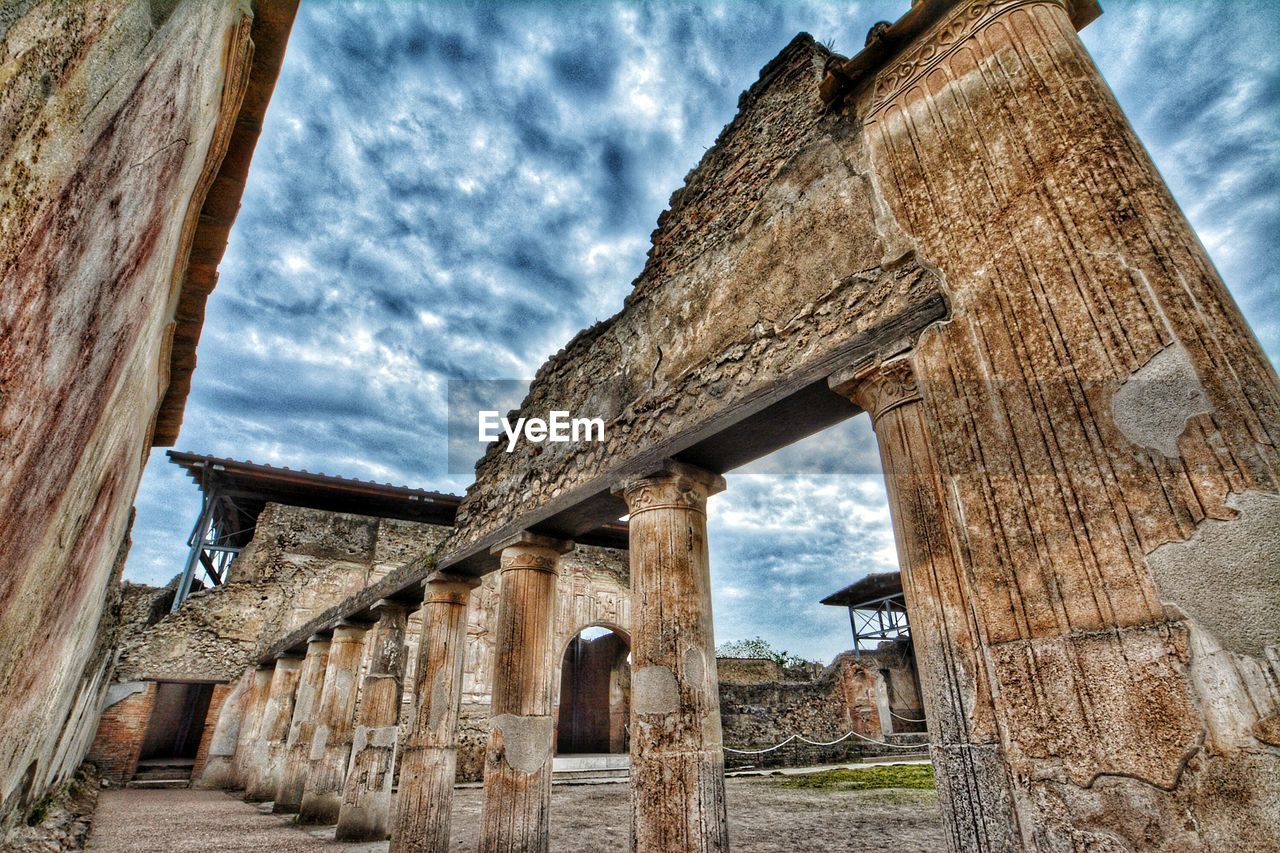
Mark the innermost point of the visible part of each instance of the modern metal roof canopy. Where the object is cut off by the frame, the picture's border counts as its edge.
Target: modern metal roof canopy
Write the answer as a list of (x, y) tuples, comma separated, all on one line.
[(234, 493), (877, 608)]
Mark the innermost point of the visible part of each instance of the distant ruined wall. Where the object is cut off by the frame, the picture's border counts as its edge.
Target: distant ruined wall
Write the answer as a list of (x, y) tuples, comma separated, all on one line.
[(113, 122), (762, 704), (300, 562)]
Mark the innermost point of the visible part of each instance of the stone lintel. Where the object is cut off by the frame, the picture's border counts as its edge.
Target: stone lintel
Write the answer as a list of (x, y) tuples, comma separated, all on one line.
[(529, 539)]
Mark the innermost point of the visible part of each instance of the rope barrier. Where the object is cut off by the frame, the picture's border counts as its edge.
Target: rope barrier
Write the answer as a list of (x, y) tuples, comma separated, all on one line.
[(915, 746), (907, 719)]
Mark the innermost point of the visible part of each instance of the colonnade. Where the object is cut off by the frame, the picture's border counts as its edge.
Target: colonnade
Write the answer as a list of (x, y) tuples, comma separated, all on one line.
[(321, 742)]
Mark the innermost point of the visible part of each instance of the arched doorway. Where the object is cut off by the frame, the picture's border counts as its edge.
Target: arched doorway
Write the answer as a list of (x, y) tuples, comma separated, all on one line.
[(595, 693)]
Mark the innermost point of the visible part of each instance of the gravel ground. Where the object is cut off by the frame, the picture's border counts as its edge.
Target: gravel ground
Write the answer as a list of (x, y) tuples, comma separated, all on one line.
[(763, 818)]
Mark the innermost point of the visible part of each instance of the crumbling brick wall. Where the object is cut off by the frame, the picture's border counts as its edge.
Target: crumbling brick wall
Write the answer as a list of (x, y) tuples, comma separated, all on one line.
[(121, 730)]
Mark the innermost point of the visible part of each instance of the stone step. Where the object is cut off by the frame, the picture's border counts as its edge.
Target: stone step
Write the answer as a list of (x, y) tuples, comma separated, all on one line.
[(590, 761), (590, 769), (158, 784), (162, 773), (590, 777), (905, 738)]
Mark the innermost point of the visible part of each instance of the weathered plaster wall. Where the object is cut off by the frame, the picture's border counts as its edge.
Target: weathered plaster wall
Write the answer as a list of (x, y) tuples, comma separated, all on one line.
[(113, 121)]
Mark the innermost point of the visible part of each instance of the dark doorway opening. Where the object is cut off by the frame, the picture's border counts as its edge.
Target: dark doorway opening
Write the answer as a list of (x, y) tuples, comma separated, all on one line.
[(177, 721), (595, 694)]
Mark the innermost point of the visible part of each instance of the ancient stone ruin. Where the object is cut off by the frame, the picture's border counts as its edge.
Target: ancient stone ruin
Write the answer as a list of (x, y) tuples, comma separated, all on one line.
[(955, 231)]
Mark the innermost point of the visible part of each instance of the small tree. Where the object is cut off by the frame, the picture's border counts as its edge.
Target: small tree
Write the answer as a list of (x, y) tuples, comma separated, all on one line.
[(759, 648)]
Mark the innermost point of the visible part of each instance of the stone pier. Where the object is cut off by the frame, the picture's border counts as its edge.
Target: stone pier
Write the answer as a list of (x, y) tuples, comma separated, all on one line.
[(428, 762), (331, 743), (677, 761), (267, 749), (297, 754), (517, 772), (366, 794), (258, 685)]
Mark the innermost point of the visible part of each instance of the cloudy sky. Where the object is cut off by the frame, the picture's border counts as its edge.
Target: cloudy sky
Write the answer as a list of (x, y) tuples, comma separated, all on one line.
[(451, 190)]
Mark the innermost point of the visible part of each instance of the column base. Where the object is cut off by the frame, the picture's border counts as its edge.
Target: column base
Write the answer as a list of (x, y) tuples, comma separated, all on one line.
[(425, 799), (320, 809)]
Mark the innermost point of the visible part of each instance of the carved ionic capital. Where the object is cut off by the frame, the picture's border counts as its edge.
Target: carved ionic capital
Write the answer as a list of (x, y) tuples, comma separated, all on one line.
[(525, 558), (532, 551), (879, 389), (676, 486)]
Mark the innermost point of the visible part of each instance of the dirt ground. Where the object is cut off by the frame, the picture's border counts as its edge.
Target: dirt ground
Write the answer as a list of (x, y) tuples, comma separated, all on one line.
[(763, 818)]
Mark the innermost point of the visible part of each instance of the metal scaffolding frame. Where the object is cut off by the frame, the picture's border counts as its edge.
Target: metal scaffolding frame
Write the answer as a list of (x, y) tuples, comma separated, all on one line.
[(878, 620), (222, 528)]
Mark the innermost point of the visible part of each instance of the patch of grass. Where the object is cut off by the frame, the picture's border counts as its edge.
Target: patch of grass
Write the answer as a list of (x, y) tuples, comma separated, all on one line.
[(40, 811), (914, 776)]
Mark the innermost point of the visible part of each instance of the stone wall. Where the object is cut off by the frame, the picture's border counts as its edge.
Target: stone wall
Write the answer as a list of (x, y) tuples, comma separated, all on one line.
[(300, 562), (763, 703), (116, 117)]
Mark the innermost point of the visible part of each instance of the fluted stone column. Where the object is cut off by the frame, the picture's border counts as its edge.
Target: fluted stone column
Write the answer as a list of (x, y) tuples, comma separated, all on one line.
[(250, 727), (297, 753), (268, 747), (973, 782), (331, 743), (677, 760), (517, 771), (366, 794), (428, 762)]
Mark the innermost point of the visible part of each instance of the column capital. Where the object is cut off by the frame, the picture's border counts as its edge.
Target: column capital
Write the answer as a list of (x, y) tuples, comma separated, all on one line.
[(387, 605), (318, 637), (676, 485), (877, 387), (447, 589), (532, 551), (347, 631)]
